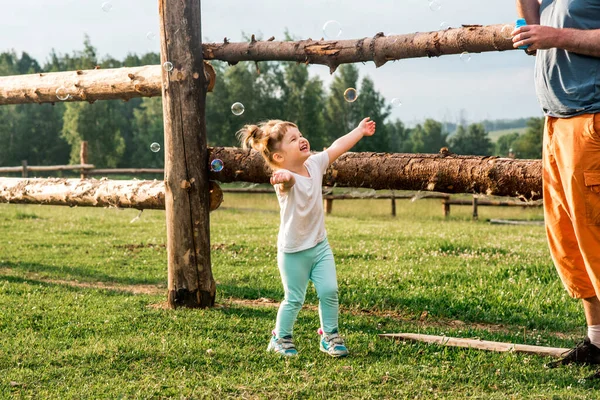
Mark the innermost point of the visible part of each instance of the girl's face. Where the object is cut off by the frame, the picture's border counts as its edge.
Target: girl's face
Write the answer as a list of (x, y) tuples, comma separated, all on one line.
[(294, 147)]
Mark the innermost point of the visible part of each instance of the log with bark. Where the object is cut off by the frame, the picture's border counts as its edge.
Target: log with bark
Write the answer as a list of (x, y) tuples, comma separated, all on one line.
[(127, 83), (379, 48), (427, 172), (89, 85), (92, 193)]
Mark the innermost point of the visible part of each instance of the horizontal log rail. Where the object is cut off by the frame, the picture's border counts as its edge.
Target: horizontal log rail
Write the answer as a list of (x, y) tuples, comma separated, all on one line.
[(442, 173), (90, 85), (46, 168), (146, 81), (142, 194)]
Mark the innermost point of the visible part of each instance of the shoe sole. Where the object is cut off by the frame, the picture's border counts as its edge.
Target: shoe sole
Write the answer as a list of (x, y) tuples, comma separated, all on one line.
[(334, 355)]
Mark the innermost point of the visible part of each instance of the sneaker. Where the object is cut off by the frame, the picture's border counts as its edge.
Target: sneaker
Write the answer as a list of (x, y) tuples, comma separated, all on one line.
[(333, 344), (282, 346), (584, 353)]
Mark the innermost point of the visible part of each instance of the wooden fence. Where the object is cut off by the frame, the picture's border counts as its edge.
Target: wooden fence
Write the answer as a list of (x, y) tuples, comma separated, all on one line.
[(87, 170)]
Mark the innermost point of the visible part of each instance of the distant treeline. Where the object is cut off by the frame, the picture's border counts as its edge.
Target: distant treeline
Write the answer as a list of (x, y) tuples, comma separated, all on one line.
[(119, 133)]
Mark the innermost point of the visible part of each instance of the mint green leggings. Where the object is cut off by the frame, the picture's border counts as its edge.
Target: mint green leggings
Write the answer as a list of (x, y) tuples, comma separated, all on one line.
[(317, 265)]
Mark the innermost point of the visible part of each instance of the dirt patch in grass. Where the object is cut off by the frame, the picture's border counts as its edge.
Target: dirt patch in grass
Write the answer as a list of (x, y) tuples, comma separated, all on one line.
[(424, 321)]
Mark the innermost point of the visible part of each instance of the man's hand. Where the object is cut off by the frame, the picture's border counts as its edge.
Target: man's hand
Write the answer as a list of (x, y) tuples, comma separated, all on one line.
[(367, 127), (538, 37)]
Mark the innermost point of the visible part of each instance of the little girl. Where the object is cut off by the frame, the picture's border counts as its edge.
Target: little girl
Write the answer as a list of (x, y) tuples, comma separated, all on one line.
[(303, 253)]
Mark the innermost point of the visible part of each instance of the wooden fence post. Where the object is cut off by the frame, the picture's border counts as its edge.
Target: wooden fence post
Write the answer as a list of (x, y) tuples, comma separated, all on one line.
[(24, 172), (393, 205), (446, 205), (328, 206), (187, 203), (475, 216), (83, 157)]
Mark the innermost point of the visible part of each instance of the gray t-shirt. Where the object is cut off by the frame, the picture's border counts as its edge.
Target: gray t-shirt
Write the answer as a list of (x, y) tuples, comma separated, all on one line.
[(568, 84)]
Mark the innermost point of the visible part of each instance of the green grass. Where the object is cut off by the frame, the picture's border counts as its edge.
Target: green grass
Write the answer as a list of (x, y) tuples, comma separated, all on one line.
[(71, 327), (494, 135)]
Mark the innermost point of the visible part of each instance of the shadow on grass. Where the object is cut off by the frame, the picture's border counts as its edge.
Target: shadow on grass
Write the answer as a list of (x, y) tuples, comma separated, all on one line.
[(85, 274)]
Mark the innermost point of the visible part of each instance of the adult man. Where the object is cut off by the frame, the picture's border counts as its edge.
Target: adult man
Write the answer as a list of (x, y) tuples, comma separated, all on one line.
[(565, 34)]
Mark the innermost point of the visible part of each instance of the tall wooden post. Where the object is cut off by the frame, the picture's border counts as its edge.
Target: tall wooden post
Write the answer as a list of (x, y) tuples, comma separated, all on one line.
[(24, 172), (83, 157), (475, 215), (190, 280)]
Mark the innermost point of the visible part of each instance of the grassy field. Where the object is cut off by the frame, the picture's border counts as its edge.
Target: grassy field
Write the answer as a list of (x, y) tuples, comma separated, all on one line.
[(82, 312), (494, 135)]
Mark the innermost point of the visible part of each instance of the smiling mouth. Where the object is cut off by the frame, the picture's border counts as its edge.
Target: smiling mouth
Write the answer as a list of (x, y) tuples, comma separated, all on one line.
[(304, 147)]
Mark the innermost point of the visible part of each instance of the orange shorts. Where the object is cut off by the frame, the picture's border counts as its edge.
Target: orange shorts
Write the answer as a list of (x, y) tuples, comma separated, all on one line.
[(571, 175)]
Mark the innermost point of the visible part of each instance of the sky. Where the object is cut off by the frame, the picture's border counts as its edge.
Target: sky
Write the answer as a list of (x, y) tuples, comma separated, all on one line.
[(494, 85)]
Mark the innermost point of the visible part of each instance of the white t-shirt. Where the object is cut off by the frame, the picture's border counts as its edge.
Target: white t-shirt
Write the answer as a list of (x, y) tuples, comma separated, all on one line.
[(302, 218)]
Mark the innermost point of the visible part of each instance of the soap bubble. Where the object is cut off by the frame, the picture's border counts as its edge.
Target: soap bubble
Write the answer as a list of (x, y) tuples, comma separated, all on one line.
[(465, 56), (396, 102), (350, 95), (106, 6), (435, 5), (237, 108), (168, 66), (444, 25), (62, 94), (150, 35), (332, 29), (506, 31), (216, 165), (155, 147)]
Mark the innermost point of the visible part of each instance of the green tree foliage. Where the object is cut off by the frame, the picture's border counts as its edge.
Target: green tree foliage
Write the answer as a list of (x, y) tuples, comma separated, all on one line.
[(529, 144), (119, 133), (100, 125), (428, 138), (504, 144), (147, 128), (471, 141), (341, 116)]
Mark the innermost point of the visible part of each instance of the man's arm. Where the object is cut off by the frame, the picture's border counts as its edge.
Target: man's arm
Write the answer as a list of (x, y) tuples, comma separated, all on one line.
[(530, 10)]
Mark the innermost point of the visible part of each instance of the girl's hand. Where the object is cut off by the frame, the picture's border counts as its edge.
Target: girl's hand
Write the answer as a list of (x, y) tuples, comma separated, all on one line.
[(367, 127), (284, 178)]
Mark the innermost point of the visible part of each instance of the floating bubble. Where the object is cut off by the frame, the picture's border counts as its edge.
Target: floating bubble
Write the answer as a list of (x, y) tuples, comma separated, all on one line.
[(332, 29), (396, 102), (465, 56), (216, 165), (435, 5), (62, 94), (168, 66), (155, 147), (350, 95), (506, 31), (237, 108), (106, 6), (444, 25), (150, 36)]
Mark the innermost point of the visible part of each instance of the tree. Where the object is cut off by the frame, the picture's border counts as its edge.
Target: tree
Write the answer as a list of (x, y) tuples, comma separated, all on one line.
[(340, 115), (504, 144), (471, 141), (147, 128), (400, 139), (100, 125), (529, 145), (371, 103), (428, 138)]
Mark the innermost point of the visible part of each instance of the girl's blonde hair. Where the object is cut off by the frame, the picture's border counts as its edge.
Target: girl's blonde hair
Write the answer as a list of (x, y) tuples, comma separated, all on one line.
[(265, 137)]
